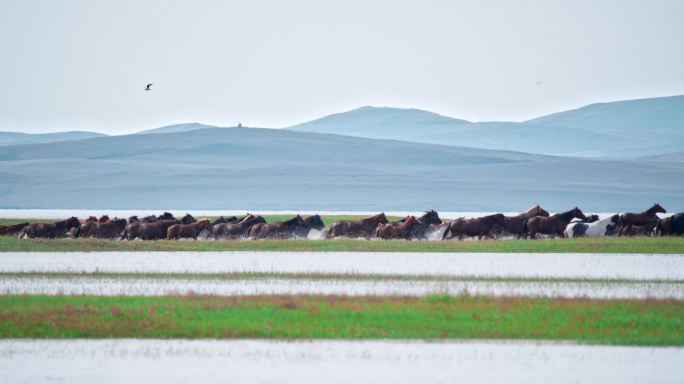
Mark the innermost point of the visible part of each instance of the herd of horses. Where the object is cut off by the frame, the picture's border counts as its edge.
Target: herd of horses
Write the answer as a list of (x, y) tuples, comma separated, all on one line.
[(529, 224)]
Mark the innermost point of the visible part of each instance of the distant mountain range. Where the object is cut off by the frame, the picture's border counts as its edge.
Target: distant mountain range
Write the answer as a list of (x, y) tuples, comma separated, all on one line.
[(249, 168), (618, 129), (622, 129), (366, 159)]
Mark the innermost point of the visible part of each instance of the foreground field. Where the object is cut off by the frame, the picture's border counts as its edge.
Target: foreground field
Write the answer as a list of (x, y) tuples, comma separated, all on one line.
[(623, 322), (662, 245)]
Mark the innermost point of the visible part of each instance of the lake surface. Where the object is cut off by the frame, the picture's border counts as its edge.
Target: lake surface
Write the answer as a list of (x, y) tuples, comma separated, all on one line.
[(84, 213), (214, 361), (533, 265), (106, 286)]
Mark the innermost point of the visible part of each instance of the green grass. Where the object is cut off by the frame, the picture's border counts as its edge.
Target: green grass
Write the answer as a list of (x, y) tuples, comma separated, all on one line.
[(613, 322), (590, 245)]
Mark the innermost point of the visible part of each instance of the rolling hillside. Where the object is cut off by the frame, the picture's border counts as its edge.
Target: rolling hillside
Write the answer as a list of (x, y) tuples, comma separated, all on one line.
[(281, 169), (619, 129)]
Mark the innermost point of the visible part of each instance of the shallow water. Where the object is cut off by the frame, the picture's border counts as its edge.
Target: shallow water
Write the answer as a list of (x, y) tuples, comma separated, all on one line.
[(212, 361), (532, 265), (106, 286)]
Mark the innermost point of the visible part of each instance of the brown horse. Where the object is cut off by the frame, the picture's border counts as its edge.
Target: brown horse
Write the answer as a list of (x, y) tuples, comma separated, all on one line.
[(223, 220), (280, 230), (671, 225), (515, 225), (110, 229), (310, 222), (50, 230), (428, 222), (11, 229), (553, 224), (647, 219), (400, 230), (193, 230), (236, 230), (155, 230), (357, 228), (480, 226), (103, 219)]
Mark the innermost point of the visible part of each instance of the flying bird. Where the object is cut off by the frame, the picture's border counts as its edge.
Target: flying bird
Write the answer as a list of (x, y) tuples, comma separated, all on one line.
[(147, 88), (539, 83)]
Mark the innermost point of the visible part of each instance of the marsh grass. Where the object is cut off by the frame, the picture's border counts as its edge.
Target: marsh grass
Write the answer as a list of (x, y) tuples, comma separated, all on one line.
[(613, 322), (659, 245)]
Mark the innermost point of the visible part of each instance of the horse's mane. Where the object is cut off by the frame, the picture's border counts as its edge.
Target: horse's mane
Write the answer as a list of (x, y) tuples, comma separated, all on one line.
[(374, 217), (567, 215), (293, 220), (653, 209)]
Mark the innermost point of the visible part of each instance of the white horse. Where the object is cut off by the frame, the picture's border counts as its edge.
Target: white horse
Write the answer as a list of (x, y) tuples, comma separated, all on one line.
[(605, 227)]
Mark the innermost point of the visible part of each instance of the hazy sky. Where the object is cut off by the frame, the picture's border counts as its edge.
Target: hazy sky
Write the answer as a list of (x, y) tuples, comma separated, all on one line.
[(82, 65)]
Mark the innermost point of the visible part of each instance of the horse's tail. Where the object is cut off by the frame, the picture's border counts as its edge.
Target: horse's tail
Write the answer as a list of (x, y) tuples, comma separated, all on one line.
[(525, 228), (378, 230), (446, 232), (330, 232)]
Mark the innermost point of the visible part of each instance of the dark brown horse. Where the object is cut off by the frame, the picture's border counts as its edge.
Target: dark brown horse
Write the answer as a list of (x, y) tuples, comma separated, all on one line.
[(647, 219), (110, 229), (671, 225), (236, 230), (11, 229), (515, 225), (50, 230), (428, 222), (224, 220), (187, 219), (103, 219), (357, 228), (479, 226), (155, 230), (279, 230), (400, 230), (192, 230), (552, 225), (310, 222)]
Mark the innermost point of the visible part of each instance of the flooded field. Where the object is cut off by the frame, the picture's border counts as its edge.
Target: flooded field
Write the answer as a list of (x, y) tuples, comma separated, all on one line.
[(520, 265), (177, 361), (100, 286)]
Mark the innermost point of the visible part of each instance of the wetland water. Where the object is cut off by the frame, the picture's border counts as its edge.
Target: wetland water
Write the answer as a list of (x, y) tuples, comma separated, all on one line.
[(211, 361), (110, 286), (514, 265)]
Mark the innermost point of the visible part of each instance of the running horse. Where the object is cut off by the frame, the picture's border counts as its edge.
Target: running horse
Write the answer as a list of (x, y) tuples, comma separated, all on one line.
[(50, 230), (515, 225), (357, 228), (647, 219), (236, 230), (181, 231), (480, 226), (551, 225), (401, 230), (279, 230)]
